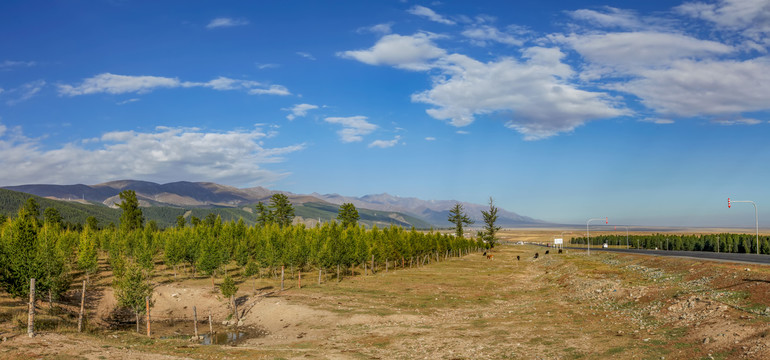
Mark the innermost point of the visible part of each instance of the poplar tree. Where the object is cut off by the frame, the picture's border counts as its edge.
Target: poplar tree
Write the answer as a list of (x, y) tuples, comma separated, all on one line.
[(458, 217), (348, 215)]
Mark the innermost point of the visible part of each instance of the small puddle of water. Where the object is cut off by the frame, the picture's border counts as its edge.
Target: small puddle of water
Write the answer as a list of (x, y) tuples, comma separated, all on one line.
[(223, 338)]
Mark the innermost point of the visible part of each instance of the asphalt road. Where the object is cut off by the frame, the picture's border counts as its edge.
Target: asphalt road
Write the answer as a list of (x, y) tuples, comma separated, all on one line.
[(701, 255)]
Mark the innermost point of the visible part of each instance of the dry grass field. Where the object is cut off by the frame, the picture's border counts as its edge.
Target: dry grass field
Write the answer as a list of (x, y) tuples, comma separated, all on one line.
[(558, 306)]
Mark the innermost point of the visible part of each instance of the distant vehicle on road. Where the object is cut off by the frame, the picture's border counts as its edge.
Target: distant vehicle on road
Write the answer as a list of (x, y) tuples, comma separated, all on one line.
[(605, 245)]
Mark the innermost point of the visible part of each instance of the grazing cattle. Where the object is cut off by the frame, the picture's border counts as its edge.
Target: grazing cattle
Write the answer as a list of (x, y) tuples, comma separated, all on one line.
[(485, 253), (518, 257), (536, 255), (559, 251), (490, 257), (546, 252)]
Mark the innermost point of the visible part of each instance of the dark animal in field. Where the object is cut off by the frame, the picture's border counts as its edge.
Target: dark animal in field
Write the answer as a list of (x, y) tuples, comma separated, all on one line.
[(559, 251), (485, 253), (536, 255), (546, 252), (490, 257), (518, 257)]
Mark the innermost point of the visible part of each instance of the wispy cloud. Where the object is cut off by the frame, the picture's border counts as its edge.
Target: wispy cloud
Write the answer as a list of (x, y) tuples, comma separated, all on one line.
[(382, 144), (226, 22), (353, 127), (658, 121), (299, 110), (166, 154), (24, 92), (8, 64), (429, 14), (430, 138), (483, 34), (122, 84), (128, 101), (266, 66), (306, 55), (383, 29), (728, 122)]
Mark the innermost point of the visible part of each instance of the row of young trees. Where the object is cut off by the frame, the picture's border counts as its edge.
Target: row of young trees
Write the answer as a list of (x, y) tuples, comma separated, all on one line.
[(731, 243), (44, 250)]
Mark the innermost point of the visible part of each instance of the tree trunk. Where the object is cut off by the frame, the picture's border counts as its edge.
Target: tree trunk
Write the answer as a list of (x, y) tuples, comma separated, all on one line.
[(212, 280), (386, 265), (319, 276), (281, 277), (372, 267), (50, 301), (147, 304), (338, 273), (136, 312), (299, 278)]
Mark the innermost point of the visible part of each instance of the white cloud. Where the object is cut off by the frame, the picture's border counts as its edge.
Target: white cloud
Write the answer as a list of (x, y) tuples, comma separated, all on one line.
[(430, 138), (226, 22), (163, 155), (482, 34), (306, 55), (706, 88), (430, 14), (729, 122), (462, 132), (299, 110), (658, 121), (383, 29), (535, 94), (751, 15), (121, 84), (127, 101), (611, 18), (7, 64), (406, 52), (24, 92), (266, 66), (623, 52), (382, 144), (353, 127)]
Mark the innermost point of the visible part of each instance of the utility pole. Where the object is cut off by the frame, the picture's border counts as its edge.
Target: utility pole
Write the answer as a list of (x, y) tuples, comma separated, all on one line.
[(588, 232), (756, 216)]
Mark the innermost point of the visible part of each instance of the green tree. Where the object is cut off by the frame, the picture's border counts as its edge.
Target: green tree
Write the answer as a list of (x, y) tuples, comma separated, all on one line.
[(131, 288), (229, 289), (490, 218), (264, 216), (180, 221), (92, 223), (87, 254), (281, 209), (459, 218), (131, 218), (31, 208), (348, 215), (52, 217), (19, 247)]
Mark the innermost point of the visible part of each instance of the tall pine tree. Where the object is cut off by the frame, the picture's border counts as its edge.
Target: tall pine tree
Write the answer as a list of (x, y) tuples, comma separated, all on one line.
[(490, 218), (458, 217)]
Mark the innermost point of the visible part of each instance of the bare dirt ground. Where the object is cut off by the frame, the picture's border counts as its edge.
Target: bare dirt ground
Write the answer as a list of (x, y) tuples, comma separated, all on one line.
[(559, 306)]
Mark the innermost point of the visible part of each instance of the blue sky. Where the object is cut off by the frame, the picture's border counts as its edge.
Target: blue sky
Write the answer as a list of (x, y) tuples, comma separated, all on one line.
[(560, 110)]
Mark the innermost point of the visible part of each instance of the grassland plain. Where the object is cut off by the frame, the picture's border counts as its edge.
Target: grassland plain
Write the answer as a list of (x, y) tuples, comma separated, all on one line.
[(559, 306)]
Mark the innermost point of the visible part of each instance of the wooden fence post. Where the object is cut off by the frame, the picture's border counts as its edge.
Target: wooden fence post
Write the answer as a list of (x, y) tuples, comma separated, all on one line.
[(82, 307), (195, 321), (211, 327), (386, 265), (282, 277), (319, 275), (31, 316), (372, 264), (147, 305), (338, 273), (299, 278)]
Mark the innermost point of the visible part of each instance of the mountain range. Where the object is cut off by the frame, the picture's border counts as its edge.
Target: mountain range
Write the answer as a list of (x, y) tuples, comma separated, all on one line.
[(206, 195)]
